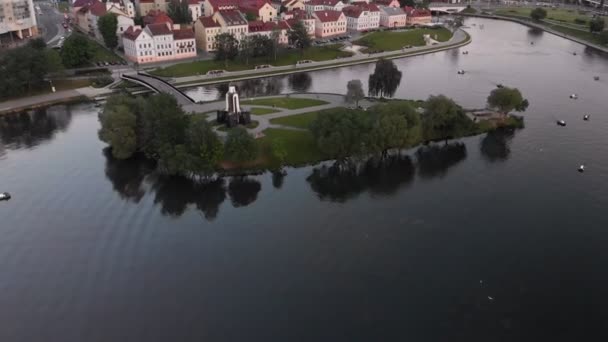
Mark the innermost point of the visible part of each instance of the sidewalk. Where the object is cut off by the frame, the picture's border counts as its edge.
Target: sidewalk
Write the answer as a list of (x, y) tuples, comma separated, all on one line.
[(29, 102)]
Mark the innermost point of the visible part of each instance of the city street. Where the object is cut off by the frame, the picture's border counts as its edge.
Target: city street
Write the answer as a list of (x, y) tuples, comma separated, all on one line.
[(50, 22)]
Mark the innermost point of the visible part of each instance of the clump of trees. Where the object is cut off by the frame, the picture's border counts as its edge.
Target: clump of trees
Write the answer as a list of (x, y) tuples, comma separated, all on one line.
[(107, 25), (227, 47), (179, 12), (597, 24), (507, 99), (77, 51), (298, 36), (24, 69), (354, 92), (385, 79), (240, 145), (444, 119), (344, 133), (538, 14), (159, 128)]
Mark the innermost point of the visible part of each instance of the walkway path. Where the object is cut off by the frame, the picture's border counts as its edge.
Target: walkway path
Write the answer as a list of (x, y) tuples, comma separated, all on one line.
[(333, 100), (459, 38)]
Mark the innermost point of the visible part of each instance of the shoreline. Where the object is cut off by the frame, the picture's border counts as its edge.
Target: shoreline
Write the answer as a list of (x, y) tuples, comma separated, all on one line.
[(538, 26)]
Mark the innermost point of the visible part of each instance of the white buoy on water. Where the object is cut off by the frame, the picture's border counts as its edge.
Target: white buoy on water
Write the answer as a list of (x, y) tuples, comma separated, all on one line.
[(586, 117), (460, 72), (581, 168), (573, 96), (561, 122)]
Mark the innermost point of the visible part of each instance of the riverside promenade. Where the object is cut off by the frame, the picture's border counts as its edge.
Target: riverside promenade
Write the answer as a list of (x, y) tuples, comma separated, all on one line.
[(460, 38)]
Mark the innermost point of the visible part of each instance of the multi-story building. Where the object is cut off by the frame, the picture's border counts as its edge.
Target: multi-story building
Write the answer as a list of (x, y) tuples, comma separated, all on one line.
[(17, 19), (144, 6), (126, 6), (291, 5), (417, 16), (292, 17), (329, 23), (196, 9), (392, 17), (123, 23), (232, 22), (206, 29), (212, 6), (87, 17), (363, 17), (267, 28), (323, 5), (158, 42), (261, 9)]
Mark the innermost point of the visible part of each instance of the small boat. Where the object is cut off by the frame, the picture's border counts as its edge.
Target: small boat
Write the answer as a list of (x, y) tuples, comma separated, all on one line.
[(574, 53), (460, 72), (574, 96), (586, 117), (561, 123), (581, 168), (531, 43), (5, 196), (596, 78)]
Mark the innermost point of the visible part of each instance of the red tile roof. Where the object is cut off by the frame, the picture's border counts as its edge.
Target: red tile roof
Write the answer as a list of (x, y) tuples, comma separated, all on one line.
[(384, 2), (352, 11), (131, 33), (95, 7), (146, 1), (331, 3), (328, 16), (208, 22), (157, 17), (233, 18), (159, 29), (223, 4), (300, 14), (260, 26), (183, 34), (253, 5)]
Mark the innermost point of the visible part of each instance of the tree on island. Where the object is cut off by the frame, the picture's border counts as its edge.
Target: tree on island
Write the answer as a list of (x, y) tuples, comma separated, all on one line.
[(385, 79), (507, 99), (179, 12), (118, 129), (354, 92), (395, 125), (596, 24), (77, 51), (298, 37), (342, 133), (107, 25), (227, 47), (240, 145), (204, 146), (538, 14), (443, 119)]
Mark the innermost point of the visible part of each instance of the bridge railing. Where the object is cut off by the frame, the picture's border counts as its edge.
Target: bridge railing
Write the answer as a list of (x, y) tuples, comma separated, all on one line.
[(140, 81), (167, 83)]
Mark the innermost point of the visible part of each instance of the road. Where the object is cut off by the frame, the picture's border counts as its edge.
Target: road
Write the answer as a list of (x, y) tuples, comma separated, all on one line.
[(50, 23)]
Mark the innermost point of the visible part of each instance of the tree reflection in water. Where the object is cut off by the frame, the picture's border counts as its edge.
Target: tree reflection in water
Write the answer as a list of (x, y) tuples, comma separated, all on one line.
[(28, 129), (378, 176), (278, 177), (534, 32), (132, 178), (299, 82), (495, 145), (435, 160), (243, 191), (127, 176)]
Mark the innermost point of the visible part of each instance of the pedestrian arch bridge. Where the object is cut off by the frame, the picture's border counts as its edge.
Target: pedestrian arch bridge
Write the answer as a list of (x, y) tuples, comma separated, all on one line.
[(441, 7), (158, 85)]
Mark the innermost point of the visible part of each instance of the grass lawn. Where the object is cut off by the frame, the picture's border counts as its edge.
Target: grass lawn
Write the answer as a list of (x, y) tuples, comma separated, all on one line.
[(563, 15), (300, 147), (288, 57), (300, 121), (285, 102), (391, 40), (262, 111)]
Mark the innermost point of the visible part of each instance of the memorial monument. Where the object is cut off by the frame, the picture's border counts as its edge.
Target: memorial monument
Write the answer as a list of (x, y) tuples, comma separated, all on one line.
[(232, 115)]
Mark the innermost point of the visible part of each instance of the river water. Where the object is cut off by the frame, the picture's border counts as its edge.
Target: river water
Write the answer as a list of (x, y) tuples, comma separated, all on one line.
[(495, 238)]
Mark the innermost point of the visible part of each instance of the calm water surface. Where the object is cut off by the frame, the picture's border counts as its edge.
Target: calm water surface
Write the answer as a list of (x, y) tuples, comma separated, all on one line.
[(495, 238)]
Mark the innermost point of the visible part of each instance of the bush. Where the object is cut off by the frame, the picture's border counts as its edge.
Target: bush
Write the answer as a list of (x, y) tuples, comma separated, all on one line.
[(538, 14), (102, 81), (604, 37), (580, 21)]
